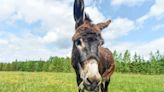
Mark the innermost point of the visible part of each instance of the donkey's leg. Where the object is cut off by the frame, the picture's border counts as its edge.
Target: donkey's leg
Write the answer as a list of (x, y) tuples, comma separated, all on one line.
[(81, 90), (79, 81), (102, 87), (106, 85)]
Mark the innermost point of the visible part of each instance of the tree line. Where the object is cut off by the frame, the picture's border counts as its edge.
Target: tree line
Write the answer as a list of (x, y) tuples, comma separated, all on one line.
[(125, 63), (53, 64)]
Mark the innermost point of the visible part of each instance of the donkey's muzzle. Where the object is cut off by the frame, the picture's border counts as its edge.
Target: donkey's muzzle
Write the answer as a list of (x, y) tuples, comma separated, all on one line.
[(92, 76)]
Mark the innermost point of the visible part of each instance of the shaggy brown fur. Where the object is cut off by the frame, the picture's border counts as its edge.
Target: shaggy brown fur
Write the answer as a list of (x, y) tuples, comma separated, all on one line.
[(106, 64)]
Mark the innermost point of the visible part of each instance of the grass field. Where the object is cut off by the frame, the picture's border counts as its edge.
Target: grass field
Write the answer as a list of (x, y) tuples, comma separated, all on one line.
[(65, 82)]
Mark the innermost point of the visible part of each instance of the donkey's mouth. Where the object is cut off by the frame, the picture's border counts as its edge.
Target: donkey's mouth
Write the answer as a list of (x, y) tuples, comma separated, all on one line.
[(90, 87)]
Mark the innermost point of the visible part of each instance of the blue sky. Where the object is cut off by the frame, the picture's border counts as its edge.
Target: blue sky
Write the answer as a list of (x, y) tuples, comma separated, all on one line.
[(38, 29)]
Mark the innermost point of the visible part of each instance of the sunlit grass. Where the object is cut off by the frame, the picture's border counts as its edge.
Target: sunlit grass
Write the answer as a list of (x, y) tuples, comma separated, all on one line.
[(65, 82)]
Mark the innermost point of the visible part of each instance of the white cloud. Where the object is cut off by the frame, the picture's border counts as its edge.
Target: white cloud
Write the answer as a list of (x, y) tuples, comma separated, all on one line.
[(3, 42), (129, 3), (157, 44), (92, 2), (50, 37), (6, 9), (21, 48), (158, 27), (56, 21), (95, 14), (142, 48), (119, 27), (157, 11), (27, 47)]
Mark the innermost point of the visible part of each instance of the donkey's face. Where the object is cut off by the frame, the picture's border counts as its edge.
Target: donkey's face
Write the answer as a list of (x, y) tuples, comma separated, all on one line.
[(87, 40)]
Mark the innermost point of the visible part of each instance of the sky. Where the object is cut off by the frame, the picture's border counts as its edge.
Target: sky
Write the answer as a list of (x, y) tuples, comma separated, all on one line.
[(38, 29)]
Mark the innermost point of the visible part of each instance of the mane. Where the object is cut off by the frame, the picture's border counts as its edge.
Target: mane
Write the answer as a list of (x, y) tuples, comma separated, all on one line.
[(87, 18)]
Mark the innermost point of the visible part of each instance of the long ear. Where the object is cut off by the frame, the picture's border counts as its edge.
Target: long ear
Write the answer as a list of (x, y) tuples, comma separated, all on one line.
[(104, 24), (79, 12)]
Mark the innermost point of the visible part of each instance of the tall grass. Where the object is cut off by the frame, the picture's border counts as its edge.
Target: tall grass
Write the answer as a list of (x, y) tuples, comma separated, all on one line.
[(65, 82)]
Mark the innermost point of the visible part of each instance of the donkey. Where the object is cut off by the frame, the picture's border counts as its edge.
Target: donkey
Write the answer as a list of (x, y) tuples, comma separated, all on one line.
[(92, 63)]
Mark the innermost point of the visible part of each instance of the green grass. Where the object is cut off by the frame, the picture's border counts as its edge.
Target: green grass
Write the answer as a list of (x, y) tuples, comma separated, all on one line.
[(65, 82)]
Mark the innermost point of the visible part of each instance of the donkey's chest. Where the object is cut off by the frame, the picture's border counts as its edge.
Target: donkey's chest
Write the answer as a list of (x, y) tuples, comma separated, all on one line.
[(105, 63)]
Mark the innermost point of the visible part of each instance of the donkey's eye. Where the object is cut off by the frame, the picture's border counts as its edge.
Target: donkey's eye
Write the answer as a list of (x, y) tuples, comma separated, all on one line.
[(78, 42)]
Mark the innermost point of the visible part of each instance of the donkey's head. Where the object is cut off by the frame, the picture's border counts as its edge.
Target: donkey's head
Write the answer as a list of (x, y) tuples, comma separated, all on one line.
[(86, 42)]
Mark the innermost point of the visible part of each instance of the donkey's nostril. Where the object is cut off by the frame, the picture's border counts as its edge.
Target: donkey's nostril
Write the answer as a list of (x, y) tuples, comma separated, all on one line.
[(90, 81), (98, 82)]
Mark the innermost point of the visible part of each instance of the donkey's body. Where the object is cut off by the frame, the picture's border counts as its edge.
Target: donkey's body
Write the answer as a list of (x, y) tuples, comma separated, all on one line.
[(106, 67), (92, 63), (106, 64)]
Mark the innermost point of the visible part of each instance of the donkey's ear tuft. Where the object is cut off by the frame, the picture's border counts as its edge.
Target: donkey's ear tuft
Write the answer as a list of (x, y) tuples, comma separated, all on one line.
[(104, 24), (79, 12)]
